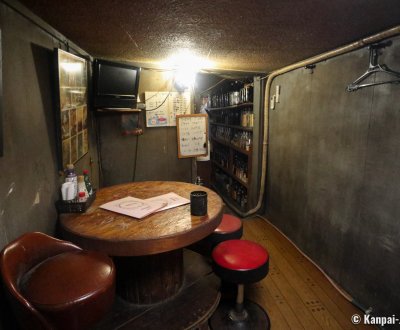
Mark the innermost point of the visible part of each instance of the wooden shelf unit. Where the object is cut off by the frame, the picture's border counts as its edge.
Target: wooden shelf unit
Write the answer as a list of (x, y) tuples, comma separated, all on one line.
[(223, 177)]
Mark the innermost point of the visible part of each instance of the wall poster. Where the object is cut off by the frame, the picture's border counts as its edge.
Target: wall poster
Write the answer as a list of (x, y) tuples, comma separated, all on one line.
[(72, 110), (163, 107)]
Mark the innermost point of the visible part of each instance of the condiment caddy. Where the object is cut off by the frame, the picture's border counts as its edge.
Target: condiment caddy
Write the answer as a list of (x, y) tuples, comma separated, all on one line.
[(77, 192)]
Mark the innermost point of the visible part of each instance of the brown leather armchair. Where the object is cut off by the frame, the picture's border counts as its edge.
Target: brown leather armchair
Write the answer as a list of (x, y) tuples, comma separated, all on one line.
[(54, 284)]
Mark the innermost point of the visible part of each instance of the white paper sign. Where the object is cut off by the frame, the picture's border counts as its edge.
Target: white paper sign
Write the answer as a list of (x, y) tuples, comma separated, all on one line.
[(162, 107), (133, 207), (140, 208), (171, 200)]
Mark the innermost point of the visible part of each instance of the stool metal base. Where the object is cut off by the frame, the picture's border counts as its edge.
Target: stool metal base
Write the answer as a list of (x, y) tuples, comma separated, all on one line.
[(257, 318)]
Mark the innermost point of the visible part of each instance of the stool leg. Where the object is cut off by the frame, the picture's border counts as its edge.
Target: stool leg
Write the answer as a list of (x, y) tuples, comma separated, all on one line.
[(239, 313)]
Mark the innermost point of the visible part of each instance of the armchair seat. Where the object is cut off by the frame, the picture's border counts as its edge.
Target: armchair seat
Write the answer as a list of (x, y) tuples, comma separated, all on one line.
[(76, 285), (54, 284)]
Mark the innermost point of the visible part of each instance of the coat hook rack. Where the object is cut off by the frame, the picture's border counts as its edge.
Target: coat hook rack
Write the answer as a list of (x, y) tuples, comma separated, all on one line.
[(374, 67)]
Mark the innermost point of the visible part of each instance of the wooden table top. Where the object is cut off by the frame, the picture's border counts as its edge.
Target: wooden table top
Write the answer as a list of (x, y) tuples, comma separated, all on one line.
[(120, 235)]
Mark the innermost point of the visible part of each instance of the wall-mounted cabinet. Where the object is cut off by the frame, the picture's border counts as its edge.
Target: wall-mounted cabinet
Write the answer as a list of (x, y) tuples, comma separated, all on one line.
[(234, 110)]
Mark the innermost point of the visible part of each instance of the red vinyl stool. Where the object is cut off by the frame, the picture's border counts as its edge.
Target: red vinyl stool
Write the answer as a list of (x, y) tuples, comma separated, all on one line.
[(240, 262), (231, 227)]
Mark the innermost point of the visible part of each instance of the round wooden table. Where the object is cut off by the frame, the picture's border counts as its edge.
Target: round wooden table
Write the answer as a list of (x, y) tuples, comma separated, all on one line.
[(148, 251)]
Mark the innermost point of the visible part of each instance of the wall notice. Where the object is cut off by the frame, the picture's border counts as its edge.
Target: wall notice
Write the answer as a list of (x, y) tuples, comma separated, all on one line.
[(192, 135), (163, 107)]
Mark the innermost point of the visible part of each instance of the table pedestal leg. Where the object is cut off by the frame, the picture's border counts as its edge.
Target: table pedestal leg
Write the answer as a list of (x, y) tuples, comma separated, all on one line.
[(149, 279)]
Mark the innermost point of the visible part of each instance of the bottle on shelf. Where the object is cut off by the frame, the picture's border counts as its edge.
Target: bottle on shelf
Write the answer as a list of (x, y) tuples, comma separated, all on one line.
[(236, 119), (88, 184), (239, 194), (247, 118), (242, 140), (246, 94), (223, 133), (221, 157), (244, 121), (239, 167), (70, 176), (248, 141)]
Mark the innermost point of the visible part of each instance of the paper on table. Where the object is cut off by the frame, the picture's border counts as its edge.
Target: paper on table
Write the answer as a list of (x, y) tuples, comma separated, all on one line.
[(134, 207), (171, 199)]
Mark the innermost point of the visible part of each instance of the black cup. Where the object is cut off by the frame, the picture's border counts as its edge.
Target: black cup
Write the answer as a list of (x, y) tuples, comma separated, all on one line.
[(198, 203)]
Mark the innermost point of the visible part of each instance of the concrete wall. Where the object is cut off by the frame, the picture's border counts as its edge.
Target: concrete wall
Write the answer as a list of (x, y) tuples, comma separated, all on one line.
[(333, 181), (29, 179)]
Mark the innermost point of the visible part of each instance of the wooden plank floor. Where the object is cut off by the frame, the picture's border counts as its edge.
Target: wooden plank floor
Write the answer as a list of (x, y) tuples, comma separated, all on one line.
[(295, 293)]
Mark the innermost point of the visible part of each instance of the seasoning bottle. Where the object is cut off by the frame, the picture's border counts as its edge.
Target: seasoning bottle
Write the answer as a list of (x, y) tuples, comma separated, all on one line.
[(88, 184), (70, 176), (81, 197), (82, 188)]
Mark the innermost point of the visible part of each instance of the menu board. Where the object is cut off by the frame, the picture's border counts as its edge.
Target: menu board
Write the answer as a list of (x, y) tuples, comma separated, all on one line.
[(163, 107), (192, 135)]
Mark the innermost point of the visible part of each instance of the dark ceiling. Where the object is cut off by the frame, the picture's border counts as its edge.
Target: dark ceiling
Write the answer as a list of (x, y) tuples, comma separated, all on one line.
[(252, 35)]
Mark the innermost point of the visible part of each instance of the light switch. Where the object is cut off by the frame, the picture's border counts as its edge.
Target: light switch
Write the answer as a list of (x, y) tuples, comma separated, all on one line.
[(277, 93), (272, 102)]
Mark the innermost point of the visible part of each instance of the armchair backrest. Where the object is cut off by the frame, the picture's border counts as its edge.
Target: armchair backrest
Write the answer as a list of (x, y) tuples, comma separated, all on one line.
[(16, 259)]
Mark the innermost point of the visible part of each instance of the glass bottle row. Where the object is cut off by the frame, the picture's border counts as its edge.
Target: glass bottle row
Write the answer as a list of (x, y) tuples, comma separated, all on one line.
[(243, 117), (238, 138), (239, 163), (221, 157), (242, 140), (224, 99), (232, 188), (239, 194), (240, 167)]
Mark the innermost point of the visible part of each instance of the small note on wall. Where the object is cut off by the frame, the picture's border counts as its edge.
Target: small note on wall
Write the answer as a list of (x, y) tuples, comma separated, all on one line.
[(192, 134)]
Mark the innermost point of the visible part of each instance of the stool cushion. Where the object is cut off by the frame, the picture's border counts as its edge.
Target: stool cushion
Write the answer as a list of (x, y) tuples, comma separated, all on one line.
[(240, 261), (74, 287), (230, 228), (229, 223)]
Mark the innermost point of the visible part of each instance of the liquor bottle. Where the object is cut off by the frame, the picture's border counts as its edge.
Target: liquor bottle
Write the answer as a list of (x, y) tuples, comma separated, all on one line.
[(244, 121), (249, 141)]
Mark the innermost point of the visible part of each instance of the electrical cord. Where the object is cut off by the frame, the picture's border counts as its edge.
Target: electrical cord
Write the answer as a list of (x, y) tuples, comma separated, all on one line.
[(136, 154), (97, 128), (165, 100), (162, 103)]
